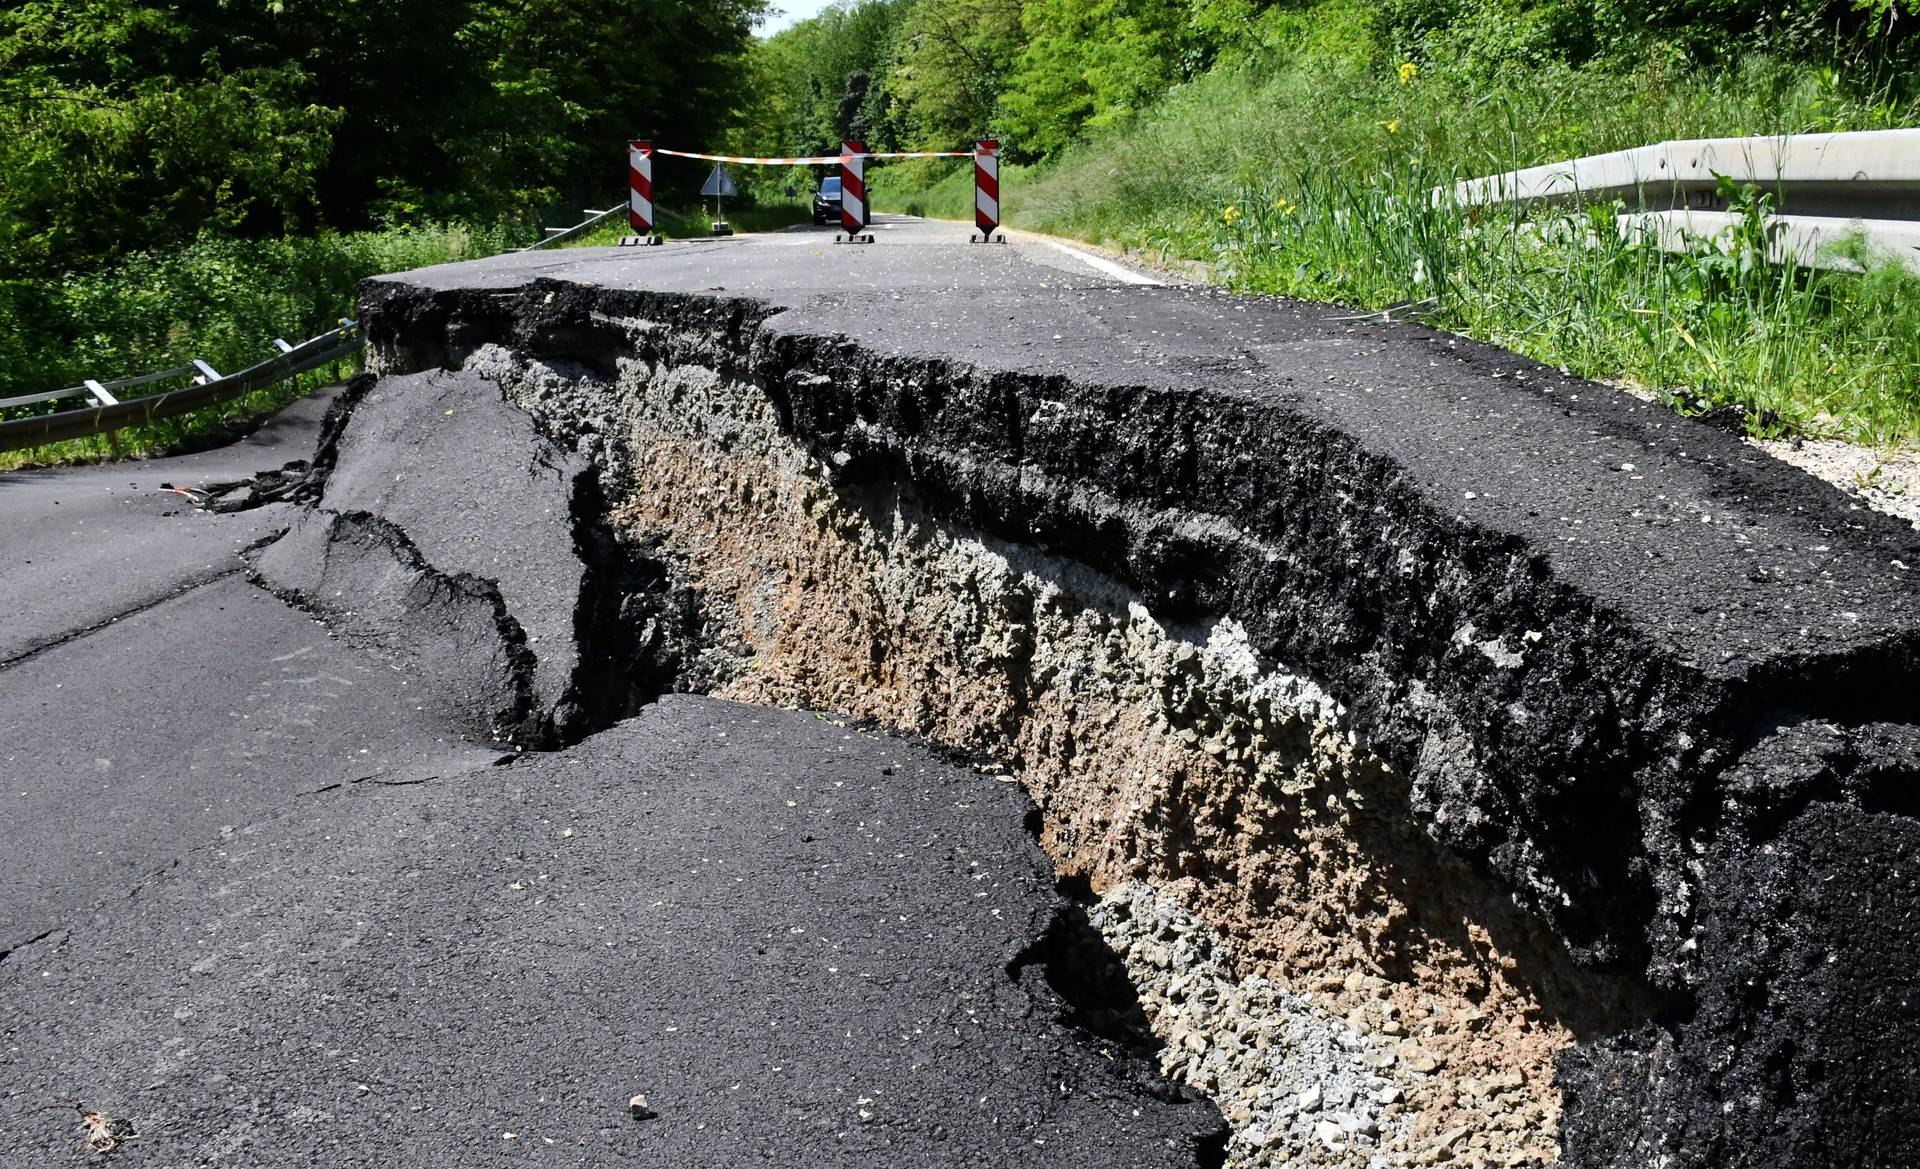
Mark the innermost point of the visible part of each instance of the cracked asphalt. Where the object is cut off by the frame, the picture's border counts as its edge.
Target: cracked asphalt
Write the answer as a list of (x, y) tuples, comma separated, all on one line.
[(800, 942), (264, 901)]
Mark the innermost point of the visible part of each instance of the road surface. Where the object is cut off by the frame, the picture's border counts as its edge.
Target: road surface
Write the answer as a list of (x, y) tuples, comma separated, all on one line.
[(270, 897)]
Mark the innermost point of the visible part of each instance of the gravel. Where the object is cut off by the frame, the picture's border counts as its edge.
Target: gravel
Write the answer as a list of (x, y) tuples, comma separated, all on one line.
[(1884, 480), (1297, 1085)]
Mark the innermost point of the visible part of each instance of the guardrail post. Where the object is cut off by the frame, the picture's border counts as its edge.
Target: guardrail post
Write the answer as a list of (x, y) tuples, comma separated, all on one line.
[(640, 194), (100, 395), (853, 193), (986, 190)]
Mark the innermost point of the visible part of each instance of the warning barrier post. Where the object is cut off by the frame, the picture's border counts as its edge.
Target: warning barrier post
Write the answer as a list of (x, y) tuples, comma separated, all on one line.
[(853, 193), (640, 194), (986, 190)]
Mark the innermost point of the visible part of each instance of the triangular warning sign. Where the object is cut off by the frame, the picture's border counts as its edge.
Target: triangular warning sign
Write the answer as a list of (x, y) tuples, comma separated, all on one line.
[(718, 183)]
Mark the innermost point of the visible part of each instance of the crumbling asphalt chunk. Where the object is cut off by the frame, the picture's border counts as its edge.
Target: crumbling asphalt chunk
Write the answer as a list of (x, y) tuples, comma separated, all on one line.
[(450, 536), (453, 633), (1797, 1049), (298, 481)]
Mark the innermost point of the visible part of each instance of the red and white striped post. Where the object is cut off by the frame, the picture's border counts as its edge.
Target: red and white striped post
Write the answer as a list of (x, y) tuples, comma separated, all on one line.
[(986, 189), (853, 190), (640, 191)]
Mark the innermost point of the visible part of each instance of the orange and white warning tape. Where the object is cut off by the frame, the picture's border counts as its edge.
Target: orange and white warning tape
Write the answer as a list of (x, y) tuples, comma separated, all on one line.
[(818, 159)]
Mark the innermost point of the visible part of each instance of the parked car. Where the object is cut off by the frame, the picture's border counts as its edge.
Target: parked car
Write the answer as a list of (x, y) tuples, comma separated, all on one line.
[(826, 201)]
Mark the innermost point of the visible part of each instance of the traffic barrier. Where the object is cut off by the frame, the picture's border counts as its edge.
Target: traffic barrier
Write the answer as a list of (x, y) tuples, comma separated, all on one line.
[(986, 190), (812, 159), (640, 194), (1827, 189), (854, 212), (853, 193)]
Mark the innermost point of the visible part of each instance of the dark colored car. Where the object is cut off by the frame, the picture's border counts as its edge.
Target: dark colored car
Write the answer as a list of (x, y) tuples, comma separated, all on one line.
[(826, 201)]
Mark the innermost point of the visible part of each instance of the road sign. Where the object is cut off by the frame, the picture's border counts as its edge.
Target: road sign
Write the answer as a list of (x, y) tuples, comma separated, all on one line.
[(718, 183)]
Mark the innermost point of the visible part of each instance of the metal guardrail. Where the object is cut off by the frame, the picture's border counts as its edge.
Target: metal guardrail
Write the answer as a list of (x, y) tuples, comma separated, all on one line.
[(105, 412), (1827, 187), (559, 234)]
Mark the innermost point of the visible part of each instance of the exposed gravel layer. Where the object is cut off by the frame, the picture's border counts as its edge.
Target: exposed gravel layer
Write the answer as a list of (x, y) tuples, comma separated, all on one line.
[(1295, 1082)]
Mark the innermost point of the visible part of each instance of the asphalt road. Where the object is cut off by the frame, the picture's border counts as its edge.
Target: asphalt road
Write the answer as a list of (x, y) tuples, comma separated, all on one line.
[(82, 546), (265, 899), (150, 698), (802, 944)]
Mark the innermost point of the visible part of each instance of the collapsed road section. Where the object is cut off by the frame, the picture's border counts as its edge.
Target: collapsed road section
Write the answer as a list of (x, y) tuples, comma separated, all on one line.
[(393, 852), (1470, 763)]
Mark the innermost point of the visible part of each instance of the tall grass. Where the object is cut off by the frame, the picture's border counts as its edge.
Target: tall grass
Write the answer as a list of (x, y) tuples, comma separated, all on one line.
[(1804, 350), (220, 300), (1311, 175)]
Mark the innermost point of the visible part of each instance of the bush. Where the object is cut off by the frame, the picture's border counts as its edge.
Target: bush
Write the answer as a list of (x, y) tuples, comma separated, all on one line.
[(220, 300)]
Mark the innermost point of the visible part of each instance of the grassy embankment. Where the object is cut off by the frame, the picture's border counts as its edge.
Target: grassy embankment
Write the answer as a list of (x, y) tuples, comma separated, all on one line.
[(224, 300), (219, 300), (1308, 175)]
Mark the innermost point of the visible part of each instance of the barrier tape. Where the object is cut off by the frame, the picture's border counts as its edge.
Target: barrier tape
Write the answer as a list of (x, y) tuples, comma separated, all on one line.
[(817, 159)]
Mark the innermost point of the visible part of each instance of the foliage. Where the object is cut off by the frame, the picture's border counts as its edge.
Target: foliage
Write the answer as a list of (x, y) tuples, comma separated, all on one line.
[(164, 158), (218, 299), (126, 124), (953, 60)]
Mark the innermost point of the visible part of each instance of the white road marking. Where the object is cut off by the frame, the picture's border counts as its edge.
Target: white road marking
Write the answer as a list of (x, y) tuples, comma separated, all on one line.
[(1108, 266)]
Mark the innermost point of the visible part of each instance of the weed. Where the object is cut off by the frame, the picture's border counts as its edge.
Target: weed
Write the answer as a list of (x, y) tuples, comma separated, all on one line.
[(101, 1133)]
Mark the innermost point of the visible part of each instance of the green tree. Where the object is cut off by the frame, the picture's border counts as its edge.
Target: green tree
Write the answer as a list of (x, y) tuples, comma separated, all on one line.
[(954, 57), (1093, 64)]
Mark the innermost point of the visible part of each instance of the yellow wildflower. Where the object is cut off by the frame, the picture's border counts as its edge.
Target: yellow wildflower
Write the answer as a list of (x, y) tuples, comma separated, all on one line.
[(1230, 215), (1391, 126), (1284, 206), (1407, 71)]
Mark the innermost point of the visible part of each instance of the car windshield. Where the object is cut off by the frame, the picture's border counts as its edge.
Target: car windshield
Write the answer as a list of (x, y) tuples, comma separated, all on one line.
[(830, 186)]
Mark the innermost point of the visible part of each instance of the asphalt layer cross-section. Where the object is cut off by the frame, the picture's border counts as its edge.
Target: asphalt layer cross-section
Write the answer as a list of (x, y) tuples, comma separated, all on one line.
[(1729, 557)]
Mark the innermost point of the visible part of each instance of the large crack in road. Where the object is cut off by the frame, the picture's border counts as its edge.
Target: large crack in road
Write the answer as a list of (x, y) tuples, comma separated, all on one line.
[(1443, 761), (300, 933)]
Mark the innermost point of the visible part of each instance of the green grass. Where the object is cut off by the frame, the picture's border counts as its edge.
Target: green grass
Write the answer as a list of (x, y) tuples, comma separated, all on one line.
[(219, 300), (1310, 176)]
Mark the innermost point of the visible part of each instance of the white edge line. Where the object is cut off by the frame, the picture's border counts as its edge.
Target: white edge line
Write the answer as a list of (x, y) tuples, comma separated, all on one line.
[(1108, 266)]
